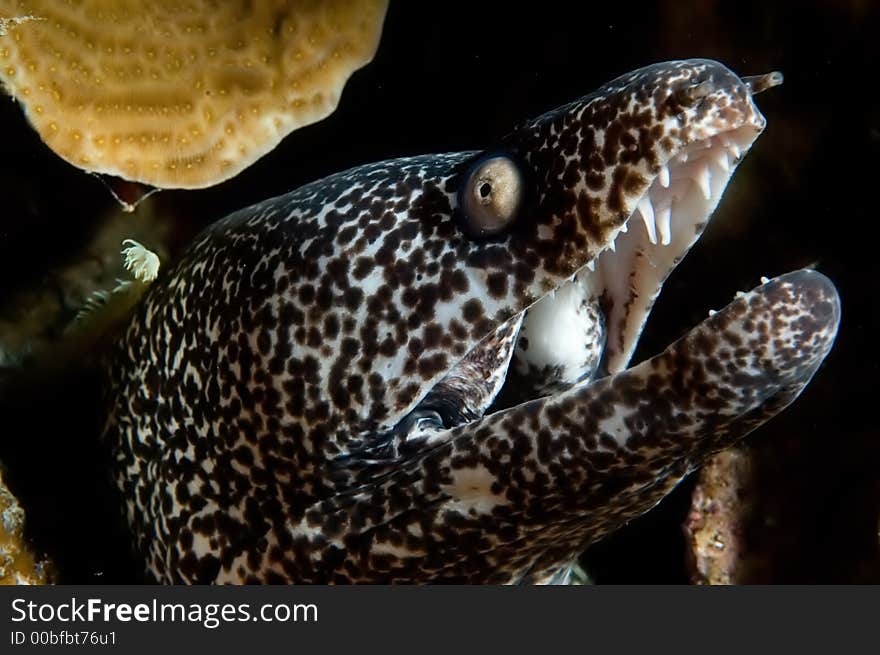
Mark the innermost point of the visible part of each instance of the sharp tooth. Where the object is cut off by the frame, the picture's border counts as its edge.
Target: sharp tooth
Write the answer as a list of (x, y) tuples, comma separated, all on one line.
[(664, 177), (734, 149), (624, 228), (591, 264), (664, 224), (764, 280), (722, 161), (702, 180), (712, 312), (612, 247), (646, 209)]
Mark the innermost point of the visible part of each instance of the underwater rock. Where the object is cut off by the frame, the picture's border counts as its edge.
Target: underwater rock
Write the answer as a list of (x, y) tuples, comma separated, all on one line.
[(758, 516), (18, 564), (714, 528), (180, 97)]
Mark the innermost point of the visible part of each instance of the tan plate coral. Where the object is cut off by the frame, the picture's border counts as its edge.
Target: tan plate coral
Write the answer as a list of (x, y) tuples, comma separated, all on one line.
[(180, 94)]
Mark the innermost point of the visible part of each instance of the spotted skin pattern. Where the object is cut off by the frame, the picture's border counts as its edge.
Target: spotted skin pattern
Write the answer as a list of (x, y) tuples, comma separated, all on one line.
[(303, 397)]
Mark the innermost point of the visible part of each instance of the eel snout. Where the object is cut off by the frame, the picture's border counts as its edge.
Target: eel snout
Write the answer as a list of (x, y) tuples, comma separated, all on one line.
[(725, 377), (749, 361), (788, 324)]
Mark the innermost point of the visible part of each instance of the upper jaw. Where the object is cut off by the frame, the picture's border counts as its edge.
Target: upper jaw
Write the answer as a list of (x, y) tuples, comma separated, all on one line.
[(664, 218), (669, 218), (626, 258), (669, 215)]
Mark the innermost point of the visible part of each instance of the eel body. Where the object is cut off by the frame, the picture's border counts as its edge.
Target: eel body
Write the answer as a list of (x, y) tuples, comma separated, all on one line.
[(416, 370)]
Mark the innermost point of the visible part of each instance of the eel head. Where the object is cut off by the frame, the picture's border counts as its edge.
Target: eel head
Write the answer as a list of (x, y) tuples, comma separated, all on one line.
[(416, 370)]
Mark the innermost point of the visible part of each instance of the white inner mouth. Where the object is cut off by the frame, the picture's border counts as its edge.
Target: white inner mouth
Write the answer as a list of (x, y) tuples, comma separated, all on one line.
[(629, 273), (624, 280)]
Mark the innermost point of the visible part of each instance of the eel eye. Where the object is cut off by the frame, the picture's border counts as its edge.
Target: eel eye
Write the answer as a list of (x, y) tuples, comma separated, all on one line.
[(491, 195), (691, 94)]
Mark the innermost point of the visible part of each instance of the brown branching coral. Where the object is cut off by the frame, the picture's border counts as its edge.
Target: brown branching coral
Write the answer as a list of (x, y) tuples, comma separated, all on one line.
[(179, 94)]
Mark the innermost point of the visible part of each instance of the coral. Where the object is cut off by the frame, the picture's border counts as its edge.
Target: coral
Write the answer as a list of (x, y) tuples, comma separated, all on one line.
[(721, 502), (179, 94), (141, 262), (18, 565), (770, 512), (70, 301), (106, 310)]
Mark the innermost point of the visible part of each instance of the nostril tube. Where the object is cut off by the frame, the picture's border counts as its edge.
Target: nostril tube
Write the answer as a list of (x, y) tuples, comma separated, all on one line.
[(758, 83)]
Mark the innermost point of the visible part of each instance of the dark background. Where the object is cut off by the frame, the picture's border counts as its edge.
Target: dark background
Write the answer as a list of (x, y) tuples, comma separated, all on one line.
[(455, 75)]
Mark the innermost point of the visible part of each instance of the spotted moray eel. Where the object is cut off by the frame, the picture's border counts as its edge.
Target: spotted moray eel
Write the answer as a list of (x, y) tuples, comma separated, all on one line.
[(415, 370)]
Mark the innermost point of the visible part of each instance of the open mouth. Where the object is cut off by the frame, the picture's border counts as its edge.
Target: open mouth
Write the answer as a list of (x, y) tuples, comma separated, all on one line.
[(588, 327), (670, 218)]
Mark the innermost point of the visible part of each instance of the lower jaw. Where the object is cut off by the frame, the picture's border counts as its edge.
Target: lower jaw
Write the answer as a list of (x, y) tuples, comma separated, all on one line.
[(626, 278)]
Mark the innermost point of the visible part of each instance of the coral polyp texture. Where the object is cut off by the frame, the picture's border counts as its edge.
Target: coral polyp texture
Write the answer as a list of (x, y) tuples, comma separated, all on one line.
[(179, 94), (18, 564)]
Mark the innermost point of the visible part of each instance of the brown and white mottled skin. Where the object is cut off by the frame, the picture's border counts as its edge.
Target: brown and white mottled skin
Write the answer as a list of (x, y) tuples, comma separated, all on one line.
[(307, 395)]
